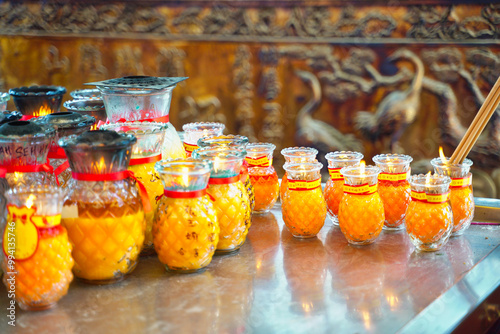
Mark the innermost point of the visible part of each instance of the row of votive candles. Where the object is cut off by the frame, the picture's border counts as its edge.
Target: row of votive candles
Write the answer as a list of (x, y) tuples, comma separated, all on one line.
[(363, 200)]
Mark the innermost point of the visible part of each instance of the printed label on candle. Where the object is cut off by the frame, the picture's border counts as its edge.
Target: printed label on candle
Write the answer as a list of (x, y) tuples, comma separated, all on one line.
[(418, 196), (335, 174), (303, 185), (46, 221), (20, 238), (461, 182), (363, 189), (190, 147), (394, 177), (263, 161), (437, 198)]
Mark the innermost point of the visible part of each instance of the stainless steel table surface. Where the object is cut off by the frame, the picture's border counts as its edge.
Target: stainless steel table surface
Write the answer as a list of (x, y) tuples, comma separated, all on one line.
[(279, 284)]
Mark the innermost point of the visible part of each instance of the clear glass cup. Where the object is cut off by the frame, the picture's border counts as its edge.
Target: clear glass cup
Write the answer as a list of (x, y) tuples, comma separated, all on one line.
[(195, 131), (88, 106), (4, 98), (230, 196), (186, 230), (35, 101), (65, 124), (235, 141), (394, 188), (429, 217), (461, 196), (81, 94), (361, 212), (39, 268), (294, 155), (303, 204), (24, 146), (138, 104), (334, 187), (262, 175), (145, 153), (103, 208)]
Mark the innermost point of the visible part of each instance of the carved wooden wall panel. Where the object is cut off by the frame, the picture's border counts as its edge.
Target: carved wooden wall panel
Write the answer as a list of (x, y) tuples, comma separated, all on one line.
[(373, 78)]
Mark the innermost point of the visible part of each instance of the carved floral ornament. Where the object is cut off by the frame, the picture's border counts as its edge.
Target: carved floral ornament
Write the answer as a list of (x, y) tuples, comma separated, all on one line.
[(419, 22)]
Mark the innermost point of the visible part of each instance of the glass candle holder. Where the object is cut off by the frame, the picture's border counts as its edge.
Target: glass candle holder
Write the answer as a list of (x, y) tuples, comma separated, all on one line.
[(361, 211), (186, 230), (334, 188), (461, 196), (65, 124), (24, 146), (35, 101), (394, 188), (88, 106), (235, 141), (429, 218), (81, 94), (4, 98), (195, 131), (104, 208), (9, 116), (303, 204), (145, 153), (142, 98), (36, 254), (230, 196), (296, 155), (262, 175)]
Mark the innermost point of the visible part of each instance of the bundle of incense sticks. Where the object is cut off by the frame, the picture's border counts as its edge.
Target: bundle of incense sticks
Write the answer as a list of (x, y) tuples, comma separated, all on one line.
[(478, 124)]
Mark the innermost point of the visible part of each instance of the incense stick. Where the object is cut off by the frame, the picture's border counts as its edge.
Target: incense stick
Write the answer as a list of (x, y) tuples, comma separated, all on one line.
[(478, 124)]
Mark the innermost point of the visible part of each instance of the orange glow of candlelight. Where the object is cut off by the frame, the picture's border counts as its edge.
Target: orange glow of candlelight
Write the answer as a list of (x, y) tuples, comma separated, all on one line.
[(362, 165), (185, 177), (217, 164), (428, 179), (442, 156), (44, 110), (30, 200), (99, 166)]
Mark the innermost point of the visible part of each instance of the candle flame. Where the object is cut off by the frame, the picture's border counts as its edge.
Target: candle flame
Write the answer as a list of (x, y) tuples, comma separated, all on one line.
[(442, 156), (366, 319), (44, 110), (428, 179), (362, 165), (185, 177), (30, 200), (217, 164)]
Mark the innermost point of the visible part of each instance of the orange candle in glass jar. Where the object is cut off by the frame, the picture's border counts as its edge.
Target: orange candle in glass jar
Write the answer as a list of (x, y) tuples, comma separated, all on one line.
[(429, 218), (394, 188), (361, 211), (461, 196), (296, 155), (334, 188), (36, 255), (262, 175), (303, 204)]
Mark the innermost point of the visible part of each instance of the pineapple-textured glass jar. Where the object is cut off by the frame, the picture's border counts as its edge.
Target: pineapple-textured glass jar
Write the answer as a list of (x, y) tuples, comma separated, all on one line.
[(429, 218), (461, 196), (295, 155), (103, 209), (230, 196), (303, 204), (334, 187), (186, 230), (361, 211), (36, 254)]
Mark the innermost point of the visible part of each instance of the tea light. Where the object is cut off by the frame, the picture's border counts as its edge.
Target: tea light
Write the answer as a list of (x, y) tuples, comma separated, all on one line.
[(334, 188), (186, 230), (296, 155), (429, 217), (303, 204), (195, 131), (461, 196), (394, 188), (361, 211)]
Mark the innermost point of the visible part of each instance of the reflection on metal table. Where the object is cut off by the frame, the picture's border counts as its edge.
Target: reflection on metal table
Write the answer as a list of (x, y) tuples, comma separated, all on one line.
[(279, 284)]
